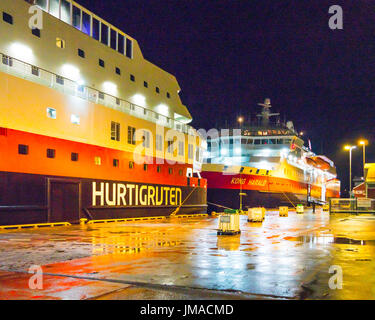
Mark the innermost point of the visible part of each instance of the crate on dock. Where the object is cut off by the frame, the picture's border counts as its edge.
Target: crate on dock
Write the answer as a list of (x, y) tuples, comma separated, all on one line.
[(256, 214), (283, 211), (229, 223), (299, 208)]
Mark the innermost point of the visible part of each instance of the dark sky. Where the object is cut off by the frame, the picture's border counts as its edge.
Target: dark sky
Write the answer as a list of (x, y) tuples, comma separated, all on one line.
[(229, 55)]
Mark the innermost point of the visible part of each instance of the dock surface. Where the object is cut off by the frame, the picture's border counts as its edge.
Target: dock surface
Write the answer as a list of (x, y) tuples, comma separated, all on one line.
[(281, 258)]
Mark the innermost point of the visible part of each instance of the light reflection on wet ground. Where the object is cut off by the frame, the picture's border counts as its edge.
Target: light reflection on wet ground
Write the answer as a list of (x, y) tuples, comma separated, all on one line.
[(283, 257)]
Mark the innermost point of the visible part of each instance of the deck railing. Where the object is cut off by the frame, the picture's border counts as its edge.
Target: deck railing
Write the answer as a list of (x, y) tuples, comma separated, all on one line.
[(38, 75)]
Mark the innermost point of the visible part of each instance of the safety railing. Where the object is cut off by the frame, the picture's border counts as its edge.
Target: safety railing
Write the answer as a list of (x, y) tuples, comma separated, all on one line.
[(357, 205), (18, 68)]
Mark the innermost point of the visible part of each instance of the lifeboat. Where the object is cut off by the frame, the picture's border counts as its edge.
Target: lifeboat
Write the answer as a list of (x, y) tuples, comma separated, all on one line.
[(318, 162)]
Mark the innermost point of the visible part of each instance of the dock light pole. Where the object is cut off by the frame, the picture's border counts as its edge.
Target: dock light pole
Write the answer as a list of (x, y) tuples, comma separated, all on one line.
[(350, 148), (240, 121), (363, 144)]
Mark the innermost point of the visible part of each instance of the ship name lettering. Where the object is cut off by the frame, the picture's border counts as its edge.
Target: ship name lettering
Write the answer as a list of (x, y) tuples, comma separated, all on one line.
[(120, 194)]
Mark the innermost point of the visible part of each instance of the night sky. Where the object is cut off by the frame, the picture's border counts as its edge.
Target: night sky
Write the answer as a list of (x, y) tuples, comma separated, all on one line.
[(229, 55)]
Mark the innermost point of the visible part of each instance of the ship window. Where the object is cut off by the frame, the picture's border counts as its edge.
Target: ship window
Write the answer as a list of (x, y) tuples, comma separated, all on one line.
[(7, 18), (145, 84), (170, 171), (129, 48), (272, 141), (190, 151), (159, 142), (146, 139), (51, 153), (104, 33), (116, 162), (86, 22), (264, 141), (81, 53), (120, 43), (250, 141), (101, 95), (145, 167), (181, 172), (157, 90), (132, 78), (51, 113), (115, 131), (95, 29), (181, 148), (23, 149), (54, 8), (42, 4), (76, 18), (257, 141), (131, 135), (118, 101), (279, 141), (131, 164), (65, 11), (113, 39), (60, 80), (3, 131), (168, 95), (81, 88), (35, 71), (257, 172), (170, 146), (158, 169), (118, 71), (8, 61), (74, 119), (60, 43), (98, 161), (35, 32), (74, 156), (101, 63)]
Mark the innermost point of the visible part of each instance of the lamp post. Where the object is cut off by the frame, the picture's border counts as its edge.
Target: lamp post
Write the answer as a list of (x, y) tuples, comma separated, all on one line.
[(240, 121), (350, 148), (363, 144)]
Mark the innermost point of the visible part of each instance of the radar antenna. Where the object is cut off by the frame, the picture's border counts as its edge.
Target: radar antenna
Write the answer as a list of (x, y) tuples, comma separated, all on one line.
[(266, 114)]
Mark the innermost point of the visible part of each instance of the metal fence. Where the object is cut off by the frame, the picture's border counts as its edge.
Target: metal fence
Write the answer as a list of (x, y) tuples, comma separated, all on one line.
[(357, 205)]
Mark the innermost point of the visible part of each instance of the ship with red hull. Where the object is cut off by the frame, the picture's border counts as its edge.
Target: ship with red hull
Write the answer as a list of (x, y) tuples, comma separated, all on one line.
[(88, 127), (266, 164)]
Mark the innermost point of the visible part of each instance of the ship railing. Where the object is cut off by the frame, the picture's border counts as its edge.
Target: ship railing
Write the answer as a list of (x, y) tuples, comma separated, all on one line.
[(34, 74)]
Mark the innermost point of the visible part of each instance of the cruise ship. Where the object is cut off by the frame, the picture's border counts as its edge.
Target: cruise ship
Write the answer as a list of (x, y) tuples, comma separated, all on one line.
[(265, 164), (88, 127)]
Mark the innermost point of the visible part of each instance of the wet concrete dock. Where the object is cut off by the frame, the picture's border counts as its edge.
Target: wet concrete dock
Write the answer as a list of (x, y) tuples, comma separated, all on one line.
[(281, 258)]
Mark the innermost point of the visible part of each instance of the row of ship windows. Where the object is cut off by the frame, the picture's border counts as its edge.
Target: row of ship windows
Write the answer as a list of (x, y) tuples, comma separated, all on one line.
[(146, 136), (250, 141), (88, 24), (51, 154), (60, 43)]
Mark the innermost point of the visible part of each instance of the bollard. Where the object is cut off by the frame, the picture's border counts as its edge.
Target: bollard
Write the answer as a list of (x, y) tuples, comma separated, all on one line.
[(82, 221), (283, 211)]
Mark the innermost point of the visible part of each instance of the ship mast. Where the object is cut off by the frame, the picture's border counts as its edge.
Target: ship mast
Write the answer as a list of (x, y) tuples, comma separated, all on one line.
[(266, 114)]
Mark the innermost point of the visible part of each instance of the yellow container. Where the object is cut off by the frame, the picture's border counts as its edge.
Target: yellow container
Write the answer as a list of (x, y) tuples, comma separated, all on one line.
[(229, 224), (256, 214), (283, 211), (299, 208)]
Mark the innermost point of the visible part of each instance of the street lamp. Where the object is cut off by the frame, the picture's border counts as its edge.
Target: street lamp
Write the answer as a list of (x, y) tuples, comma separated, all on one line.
[(363, 144), (350, 148)]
